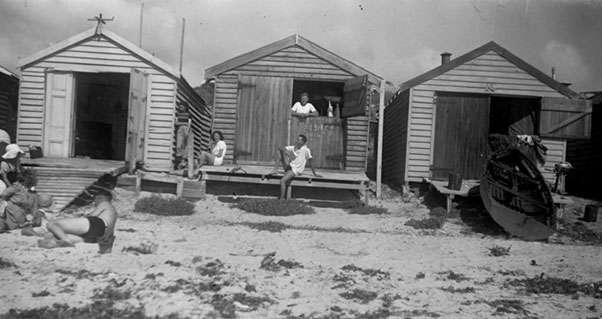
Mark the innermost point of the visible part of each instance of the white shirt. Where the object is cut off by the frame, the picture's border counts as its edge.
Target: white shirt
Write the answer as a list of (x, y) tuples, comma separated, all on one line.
[(301, 157), (305, 109), (220, 146)]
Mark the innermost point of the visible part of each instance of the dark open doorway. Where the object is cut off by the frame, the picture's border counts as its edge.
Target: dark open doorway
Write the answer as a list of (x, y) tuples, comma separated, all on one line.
[(514, 116), (101, 109)]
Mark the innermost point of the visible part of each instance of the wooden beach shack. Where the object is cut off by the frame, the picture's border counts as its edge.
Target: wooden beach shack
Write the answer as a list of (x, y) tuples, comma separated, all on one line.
[(9, 91), (98, 97), (254, 93), (439, 122)]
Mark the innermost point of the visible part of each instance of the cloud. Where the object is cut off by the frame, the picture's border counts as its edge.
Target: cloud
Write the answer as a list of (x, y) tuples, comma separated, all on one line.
[(569, 64)]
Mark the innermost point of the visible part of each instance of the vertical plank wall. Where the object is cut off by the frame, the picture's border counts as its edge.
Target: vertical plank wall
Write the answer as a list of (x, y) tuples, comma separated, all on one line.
[(395, 138)]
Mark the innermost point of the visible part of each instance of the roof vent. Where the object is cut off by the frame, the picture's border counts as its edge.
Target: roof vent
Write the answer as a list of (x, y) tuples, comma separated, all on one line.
[(445, 56)]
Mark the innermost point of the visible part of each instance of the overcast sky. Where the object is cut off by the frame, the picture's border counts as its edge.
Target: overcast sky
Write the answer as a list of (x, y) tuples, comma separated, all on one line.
[(396, 39)]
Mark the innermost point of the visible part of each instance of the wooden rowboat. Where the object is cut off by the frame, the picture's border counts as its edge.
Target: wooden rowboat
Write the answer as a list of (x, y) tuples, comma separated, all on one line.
[(517, 196)]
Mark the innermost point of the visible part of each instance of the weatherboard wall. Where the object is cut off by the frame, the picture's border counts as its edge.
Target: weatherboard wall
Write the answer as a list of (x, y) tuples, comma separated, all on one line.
[(292, 62), (489, 73), (96, 56)]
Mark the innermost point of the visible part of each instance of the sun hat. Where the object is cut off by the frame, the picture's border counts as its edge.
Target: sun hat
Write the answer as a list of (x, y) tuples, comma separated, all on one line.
[(11, 151)]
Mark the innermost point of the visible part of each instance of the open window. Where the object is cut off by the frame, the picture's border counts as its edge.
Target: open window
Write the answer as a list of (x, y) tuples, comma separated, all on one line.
[(320, 94)]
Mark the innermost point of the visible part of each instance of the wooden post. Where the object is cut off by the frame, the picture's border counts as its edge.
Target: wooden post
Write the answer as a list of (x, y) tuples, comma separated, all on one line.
[(133, 151), (179, 187), (379, 154), (138, 183), (190, 149)]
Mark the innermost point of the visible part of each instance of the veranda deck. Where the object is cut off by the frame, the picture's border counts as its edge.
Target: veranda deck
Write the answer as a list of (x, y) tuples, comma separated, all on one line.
[(335, 179)]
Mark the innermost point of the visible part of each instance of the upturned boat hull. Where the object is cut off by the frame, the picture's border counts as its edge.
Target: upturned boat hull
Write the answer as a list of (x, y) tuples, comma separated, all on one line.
[(517, 196)]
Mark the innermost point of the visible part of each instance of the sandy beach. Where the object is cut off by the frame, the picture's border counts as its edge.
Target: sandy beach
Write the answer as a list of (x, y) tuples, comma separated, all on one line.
[(217, 263)]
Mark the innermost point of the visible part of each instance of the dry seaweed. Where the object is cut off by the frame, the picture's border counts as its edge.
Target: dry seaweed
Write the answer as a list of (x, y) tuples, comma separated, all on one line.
[(100, 309), (453, 276), (6, 263), (464, 290), (550, 285), (497, 251), (379, 274), (361, 295)]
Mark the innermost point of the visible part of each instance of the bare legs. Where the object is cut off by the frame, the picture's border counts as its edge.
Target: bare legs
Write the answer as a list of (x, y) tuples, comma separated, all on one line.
[(285, 182), (205, 158), (68, 231), (284, 156)]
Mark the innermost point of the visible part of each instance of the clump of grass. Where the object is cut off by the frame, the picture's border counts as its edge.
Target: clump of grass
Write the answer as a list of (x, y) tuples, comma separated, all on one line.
[(497, 251), (271, 226), (361, 295), (367, 210), (158, 205), (274, 207), (426, 223), (352, 203)]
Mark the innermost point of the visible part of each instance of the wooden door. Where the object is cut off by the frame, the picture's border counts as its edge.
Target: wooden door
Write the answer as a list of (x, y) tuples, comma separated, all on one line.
[(461, 135), (136, 118), (58, 120), (263, 112)]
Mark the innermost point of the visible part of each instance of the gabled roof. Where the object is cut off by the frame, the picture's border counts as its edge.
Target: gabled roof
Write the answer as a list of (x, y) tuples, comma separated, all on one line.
[(8, 72), (86, 35), (491, 46), (293, 40)]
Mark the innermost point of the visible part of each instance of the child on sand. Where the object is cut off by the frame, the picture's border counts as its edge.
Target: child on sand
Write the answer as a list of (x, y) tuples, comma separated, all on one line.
[(92, 228)]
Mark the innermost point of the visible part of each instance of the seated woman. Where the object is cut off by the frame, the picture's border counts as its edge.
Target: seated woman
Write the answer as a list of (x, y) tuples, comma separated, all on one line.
[(216, 156), (18, 201), (10, 165)]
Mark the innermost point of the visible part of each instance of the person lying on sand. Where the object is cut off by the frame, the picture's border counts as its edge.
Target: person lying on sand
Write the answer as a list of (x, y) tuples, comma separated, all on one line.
[(100, 223)]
